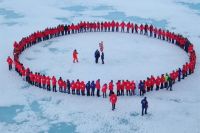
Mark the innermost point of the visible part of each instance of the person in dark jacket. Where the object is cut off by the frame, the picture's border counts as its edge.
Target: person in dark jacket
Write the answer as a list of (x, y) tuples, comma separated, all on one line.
[(68, 86), (141, 87), (88, 88), (97, 55), (179, 74), (144, 103), (102, 57), (92, 86)]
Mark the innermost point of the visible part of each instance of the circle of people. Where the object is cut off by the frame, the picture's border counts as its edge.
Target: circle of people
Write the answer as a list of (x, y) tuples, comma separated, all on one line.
[(122, 87)]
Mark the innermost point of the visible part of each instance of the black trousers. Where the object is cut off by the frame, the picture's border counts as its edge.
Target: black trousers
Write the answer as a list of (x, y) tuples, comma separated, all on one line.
[(166, 84), (102, 61), (169, 87), (88, 92), (113, 106), (68, 90), (152, 88), (73, 92), (118, 93), (48, 87), (144, 110), (122, 92), (157, 87), (10, 67), (148, 89), (179, 78), (92, 94), (104, 95), (44, 86), (141, 92), (60, 89), (161, 87), (54, 88), (98, 92), (96, 60), (83, 92)]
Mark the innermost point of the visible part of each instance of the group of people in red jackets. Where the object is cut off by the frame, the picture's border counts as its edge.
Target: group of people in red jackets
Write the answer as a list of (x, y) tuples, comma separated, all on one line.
[(77, 87)]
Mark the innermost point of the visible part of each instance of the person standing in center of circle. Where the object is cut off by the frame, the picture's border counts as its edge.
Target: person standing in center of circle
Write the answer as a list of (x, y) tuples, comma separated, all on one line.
[(75, 56), (97, 55), (102, 57)]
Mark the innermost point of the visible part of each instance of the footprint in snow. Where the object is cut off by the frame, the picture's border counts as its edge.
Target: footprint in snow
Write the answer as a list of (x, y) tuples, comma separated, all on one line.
[(176, 100), (30, 59), (134, 114), (123, 121), (25, 86)]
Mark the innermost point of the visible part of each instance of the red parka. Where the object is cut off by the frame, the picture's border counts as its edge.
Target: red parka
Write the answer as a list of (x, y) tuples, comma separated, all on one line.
[(113, 98)]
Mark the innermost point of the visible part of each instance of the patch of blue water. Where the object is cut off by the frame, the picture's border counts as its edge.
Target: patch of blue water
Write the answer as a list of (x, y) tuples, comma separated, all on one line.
[(9, 23), (7, 114), (10, 14), (121, 16), (76, 8), (103, 7), (29, 58), (193, 6), (62, 128), (25, 86), (35, 107), (64, 20)]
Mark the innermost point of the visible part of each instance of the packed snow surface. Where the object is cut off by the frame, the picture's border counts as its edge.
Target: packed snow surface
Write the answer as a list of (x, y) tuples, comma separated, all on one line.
[(24, 108)]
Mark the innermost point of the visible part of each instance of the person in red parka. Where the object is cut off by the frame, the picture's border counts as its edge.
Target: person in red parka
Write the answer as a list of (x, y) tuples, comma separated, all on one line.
[(123, 85), (39, 80), (98, 86), (82, 86), (48, 80), (60, 84), (75, 56), (118, 84), (162, 79), (141, 29), (73, 86), (10, 62), (65, 86), (158, 82), (113, 100), (31, 78), (104, 89), (111, 87), (78, 87), (117, 26), (152, 82), (122, 25), (54, 81), (44, 81), (23, 72), (133, 87), (148, 84), (128, 88)]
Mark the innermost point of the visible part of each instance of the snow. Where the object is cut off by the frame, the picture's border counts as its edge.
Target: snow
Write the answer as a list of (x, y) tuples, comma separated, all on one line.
[(28, 109)]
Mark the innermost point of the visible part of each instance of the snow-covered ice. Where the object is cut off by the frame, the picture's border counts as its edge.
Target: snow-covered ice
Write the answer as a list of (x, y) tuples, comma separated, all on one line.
[(128, 56)]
